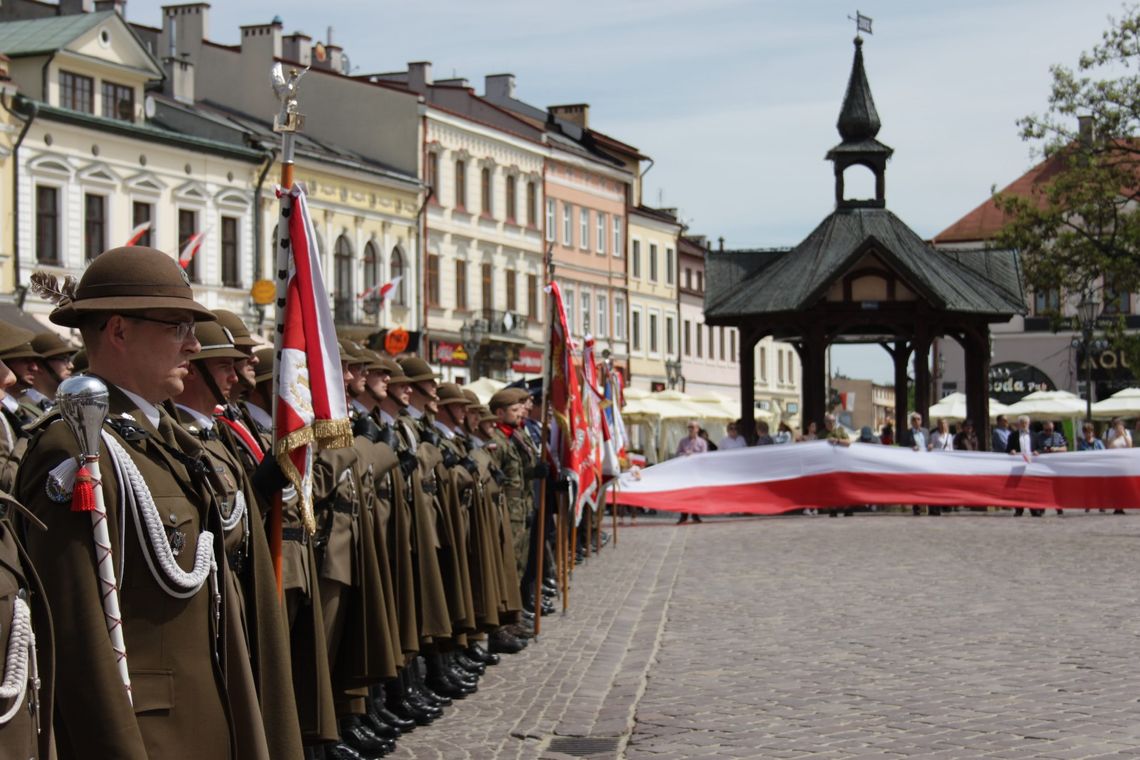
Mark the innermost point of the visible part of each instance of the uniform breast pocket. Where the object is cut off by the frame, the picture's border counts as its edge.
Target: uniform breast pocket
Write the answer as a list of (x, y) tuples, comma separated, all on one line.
[(152, 690), (181, 524)]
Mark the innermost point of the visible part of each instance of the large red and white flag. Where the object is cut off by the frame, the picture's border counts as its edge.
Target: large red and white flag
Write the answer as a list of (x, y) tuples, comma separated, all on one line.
[(137, 234), (776, 479), (311, 411), (601, 438), (569, 437)]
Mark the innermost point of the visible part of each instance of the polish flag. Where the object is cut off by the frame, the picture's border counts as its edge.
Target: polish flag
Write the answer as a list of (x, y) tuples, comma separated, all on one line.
[(138, 232), (769, 480), (381, 292), (186, 255)]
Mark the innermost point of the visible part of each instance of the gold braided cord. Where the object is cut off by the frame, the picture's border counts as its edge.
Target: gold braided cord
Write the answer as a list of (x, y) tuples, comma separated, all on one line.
[(333, 434), (282, 449)]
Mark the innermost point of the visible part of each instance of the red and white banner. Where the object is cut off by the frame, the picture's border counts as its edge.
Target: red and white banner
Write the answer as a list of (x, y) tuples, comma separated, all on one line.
[(569, 438), (311, 410), (775, 479), (186, 255), (137, 234), (381, 293)]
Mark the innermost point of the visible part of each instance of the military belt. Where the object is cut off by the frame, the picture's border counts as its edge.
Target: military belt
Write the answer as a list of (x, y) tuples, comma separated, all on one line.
[(347, 507), (384, 493), (293, 534)]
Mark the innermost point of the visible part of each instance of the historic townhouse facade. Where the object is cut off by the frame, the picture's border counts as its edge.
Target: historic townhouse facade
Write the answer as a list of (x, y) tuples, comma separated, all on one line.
[(652, 263), (93, 167)]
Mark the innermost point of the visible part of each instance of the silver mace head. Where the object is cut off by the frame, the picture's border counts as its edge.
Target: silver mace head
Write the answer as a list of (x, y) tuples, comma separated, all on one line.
[(83, 403)]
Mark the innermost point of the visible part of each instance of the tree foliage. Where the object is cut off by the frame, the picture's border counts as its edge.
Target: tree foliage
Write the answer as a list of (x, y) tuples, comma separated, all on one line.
[(1077, 230)]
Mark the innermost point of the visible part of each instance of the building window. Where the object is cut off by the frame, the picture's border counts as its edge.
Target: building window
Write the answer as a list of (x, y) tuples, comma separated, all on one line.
[(568, 303), (47, 225), (779, 365), (635, 329), (668, 266), (732, 345), (461, 285), (531, 204), (764, 364), (619, 318), (118, 101), (345, 300), (371, 266), (461, 185), (550, 221), (143, 213), (433, 175), (601, 233), (1046, 302), (567, 225), (396, 269), (512, 296), (488, 287), (584, 229), (512, 198), (688, 278), (653, 320), (1116, 302), (687, 338), (700, 340), (720, 331), (94, 224), (700, 282), (617, 237), (485, 191), (433, 279), (187, 229), (76, 92), (669, 327), (711, 349), (653, 262), (635, 260), (532, 297), (586, 313), (602, 325), (231, 276)]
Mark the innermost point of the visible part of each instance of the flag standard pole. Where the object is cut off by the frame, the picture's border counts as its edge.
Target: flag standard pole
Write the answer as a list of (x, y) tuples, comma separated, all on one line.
[(540, 544), (286, 123)]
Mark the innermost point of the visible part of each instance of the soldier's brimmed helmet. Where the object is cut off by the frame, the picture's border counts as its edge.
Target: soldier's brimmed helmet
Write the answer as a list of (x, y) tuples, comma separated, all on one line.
[(128, 279), (12, 337), (243, 338), (217, 343), (450, 393)]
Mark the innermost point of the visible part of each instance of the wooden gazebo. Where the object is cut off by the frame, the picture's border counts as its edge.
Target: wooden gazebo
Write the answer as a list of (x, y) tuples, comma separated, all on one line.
[(863, 276)]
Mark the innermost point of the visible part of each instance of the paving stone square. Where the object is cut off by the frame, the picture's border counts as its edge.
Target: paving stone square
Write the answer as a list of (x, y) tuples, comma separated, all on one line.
[(881, 635)]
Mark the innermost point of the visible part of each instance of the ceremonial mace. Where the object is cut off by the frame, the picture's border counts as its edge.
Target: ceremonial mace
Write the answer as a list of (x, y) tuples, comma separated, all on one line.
[(83, 402)]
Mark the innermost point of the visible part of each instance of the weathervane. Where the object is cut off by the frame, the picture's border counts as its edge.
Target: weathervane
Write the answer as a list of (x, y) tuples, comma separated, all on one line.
[(862, 24)]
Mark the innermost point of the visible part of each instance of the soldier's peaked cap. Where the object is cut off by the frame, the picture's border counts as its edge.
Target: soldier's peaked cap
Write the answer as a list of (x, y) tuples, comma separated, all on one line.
[(12, 337), (417, 369), (131, 278)]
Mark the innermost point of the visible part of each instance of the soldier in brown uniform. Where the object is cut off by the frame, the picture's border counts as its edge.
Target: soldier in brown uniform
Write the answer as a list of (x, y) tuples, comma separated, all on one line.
[(264, 635), (137, 314), (24, 362), (25, 625), (56, 356), (517, 463)]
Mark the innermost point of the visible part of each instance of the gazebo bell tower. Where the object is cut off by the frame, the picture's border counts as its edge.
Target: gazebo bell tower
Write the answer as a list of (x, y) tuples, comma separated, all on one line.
[(858, 126)]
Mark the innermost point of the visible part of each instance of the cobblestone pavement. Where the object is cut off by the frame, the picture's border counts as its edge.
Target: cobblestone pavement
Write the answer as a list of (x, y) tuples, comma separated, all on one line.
[(965, 636)]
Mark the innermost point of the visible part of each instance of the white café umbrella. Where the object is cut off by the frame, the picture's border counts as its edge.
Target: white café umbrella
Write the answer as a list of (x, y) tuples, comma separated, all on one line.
[(1057, 404), (485, 387), (953, 408), (1125, 403)]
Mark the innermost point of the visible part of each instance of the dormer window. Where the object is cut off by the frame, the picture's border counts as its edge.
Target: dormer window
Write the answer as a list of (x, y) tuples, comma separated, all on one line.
[(76, 92), (118, 102)]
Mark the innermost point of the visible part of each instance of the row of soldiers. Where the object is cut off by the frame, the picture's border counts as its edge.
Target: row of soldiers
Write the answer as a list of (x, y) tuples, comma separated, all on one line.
[(407, 574)]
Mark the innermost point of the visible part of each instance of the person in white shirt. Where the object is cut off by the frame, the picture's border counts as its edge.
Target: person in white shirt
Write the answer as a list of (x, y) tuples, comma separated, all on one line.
[(733, 440)]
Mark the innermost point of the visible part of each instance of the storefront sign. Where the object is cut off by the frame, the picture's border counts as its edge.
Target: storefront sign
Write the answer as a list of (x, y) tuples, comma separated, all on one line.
[(451, 354), (396, 341), (529, 362), (1012, 381)]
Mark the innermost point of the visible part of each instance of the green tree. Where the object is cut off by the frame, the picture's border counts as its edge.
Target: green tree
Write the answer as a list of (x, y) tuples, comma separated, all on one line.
[(1077, 231)]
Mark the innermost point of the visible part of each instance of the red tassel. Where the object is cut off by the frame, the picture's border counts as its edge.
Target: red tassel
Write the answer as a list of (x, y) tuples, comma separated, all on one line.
[(83, 495)]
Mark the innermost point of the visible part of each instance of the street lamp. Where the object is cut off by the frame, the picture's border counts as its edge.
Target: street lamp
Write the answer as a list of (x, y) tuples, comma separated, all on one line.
[(472, 333), (1087, 311), (673, 372)]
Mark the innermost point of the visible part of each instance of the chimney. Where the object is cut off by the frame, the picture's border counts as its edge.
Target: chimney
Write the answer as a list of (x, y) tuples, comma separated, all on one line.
[(262, 41), (419, 76), (1086, 130), (720, 241), (575, 113), (499, 87), (118, 6), (297, 47), (183, 29), (179, 83), (75, 7)]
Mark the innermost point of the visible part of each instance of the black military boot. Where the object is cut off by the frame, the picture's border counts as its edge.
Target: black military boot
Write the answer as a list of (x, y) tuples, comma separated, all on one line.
[(479, 654), (355, 734)]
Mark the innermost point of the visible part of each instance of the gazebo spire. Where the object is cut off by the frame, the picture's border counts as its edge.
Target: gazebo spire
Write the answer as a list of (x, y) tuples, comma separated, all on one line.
[(858, 120), (858, 125)]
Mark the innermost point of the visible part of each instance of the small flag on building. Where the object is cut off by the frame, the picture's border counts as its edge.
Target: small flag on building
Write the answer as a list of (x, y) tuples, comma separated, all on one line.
[(186, 255), (138, 232)]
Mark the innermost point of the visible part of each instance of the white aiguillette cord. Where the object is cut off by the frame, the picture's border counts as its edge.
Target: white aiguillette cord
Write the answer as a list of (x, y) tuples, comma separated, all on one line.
[(21, 653)]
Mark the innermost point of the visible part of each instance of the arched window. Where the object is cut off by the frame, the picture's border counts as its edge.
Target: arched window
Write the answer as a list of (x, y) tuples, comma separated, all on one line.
[(342, 268), (397, 270), (371, 267)]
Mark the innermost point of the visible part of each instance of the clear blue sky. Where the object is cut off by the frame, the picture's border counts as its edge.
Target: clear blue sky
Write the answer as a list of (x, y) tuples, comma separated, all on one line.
[(736, 100)]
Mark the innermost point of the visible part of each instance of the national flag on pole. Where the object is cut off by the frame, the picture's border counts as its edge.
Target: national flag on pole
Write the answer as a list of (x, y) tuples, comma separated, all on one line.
[(603, 451), (311, 410), (138, 232), (569, 438), (186, 255), (381, 292), (615, 399)]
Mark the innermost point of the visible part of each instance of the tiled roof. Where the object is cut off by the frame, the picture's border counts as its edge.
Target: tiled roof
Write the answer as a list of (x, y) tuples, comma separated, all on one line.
[(984, 222), (773, 281)]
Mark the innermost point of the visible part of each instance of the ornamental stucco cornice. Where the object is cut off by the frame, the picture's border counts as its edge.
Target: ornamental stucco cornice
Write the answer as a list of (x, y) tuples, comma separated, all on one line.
[(572, 184), (578, 162), (452, 131)]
